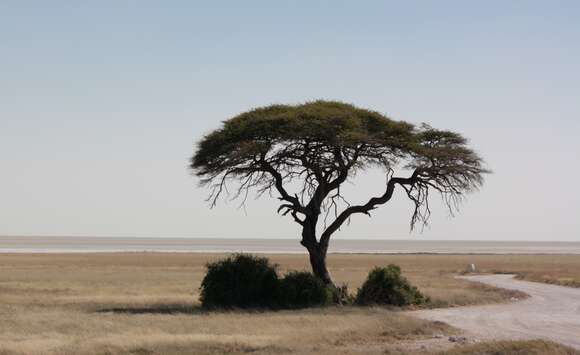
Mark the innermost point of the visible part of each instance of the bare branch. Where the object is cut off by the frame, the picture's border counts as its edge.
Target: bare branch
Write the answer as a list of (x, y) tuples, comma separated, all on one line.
[(367, 207)]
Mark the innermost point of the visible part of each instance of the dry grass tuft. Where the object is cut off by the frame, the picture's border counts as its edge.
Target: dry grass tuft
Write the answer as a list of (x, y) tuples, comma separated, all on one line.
[(568, 278), (530, 347)]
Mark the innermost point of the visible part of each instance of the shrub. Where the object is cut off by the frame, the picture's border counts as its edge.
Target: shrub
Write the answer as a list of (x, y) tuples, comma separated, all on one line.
[(240, 281), (386, 285), (299, 289)]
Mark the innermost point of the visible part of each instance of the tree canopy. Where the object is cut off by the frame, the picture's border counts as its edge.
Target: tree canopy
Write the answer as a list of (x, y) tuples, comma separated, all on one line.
[(318, 146)]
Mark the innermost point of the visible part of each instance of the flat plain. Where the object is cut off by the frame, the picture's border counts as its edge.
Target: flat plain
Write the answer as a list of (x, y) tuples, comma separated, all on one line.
[(146, 303)]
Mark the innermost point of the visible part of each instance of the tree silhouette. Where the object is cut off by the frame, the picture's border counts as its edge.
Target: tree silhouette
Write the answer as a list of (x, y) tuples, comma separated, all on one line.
[(316, 147)]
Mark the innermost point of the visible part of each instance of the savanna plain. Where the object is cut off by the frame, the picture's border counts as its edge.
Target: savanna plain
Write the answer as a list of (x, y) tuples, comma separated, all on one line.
[(147, 303)]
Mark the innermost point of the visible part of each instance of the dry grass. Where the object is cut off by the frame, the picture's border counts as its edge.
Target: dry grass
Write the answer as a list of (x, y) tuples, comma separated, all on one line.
[(531, 347), (563, 270), (58, 331), (569, 278), (147, 304)]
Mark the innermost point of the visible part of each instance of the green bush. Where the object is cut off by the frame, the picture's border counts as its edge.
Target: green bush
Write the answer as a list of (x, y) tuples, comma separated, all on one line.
[(240, 281), (386, 285), (299, 289)]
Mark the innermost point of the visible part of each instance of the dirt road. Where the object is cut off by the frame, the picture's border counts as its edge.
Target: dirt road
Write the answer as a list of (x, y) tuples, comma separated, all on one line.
[(552, 312)]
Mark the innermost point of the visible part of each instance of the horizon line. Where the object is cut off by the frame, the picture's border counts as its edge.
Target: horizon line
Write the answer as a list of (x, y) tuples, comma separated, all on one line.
[(411, 239)]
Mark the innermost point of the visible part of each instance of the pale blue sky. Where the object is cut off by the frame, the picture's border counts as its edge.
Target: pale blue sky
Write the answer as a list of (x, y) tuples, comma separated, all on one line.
[(101, 103)]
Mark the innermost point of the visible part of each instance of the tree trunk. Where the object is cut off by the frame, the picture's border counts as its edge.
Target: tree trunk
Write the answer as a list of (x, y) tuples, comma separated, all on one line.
[(316, 251), (318, 263)]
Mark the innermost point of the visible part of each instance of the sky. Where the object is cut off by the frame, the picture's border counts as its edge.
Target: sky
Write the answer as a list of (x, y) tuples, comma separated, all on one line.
[(102, 102)]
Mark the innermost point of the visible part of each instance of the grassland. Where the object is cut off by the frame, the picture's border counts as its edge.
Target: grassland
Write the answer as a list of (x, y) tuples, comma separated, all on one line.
[(146, 303), (530, 347)]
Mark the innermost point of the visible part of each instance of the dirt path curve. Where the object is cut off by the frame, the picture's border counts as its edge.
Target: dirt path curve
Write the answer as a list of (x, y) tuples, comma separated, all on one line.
[(552, 312)]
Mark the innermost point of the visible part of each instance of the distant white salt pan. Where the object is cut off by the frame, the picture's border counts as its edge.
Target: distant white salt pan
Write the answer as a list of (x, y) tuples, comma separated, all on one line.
[(10, 244)]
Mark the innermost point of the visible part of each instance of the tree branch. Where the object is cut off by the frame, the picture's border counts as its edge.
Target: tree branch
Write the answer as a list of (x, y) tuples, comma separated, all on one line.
[(279, 184), (367, 207)]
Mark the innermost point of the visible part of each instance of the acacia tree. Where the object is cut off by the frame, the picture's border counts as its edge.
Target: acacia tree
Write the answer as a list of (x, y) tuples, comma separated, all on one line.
[(316, 147)]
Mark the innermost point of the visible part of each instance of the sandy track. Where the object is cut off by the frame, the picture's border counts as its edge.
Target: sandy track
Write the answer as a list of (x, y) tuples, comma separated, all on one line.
[(552, 312)]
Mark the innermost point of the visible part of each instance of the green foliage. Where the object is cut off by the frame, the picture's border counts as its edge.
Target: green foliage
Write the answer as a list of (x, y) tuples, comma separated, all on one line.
[(247, 281), (240, 281), (299, 289), (330, 123), (386, 285)]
